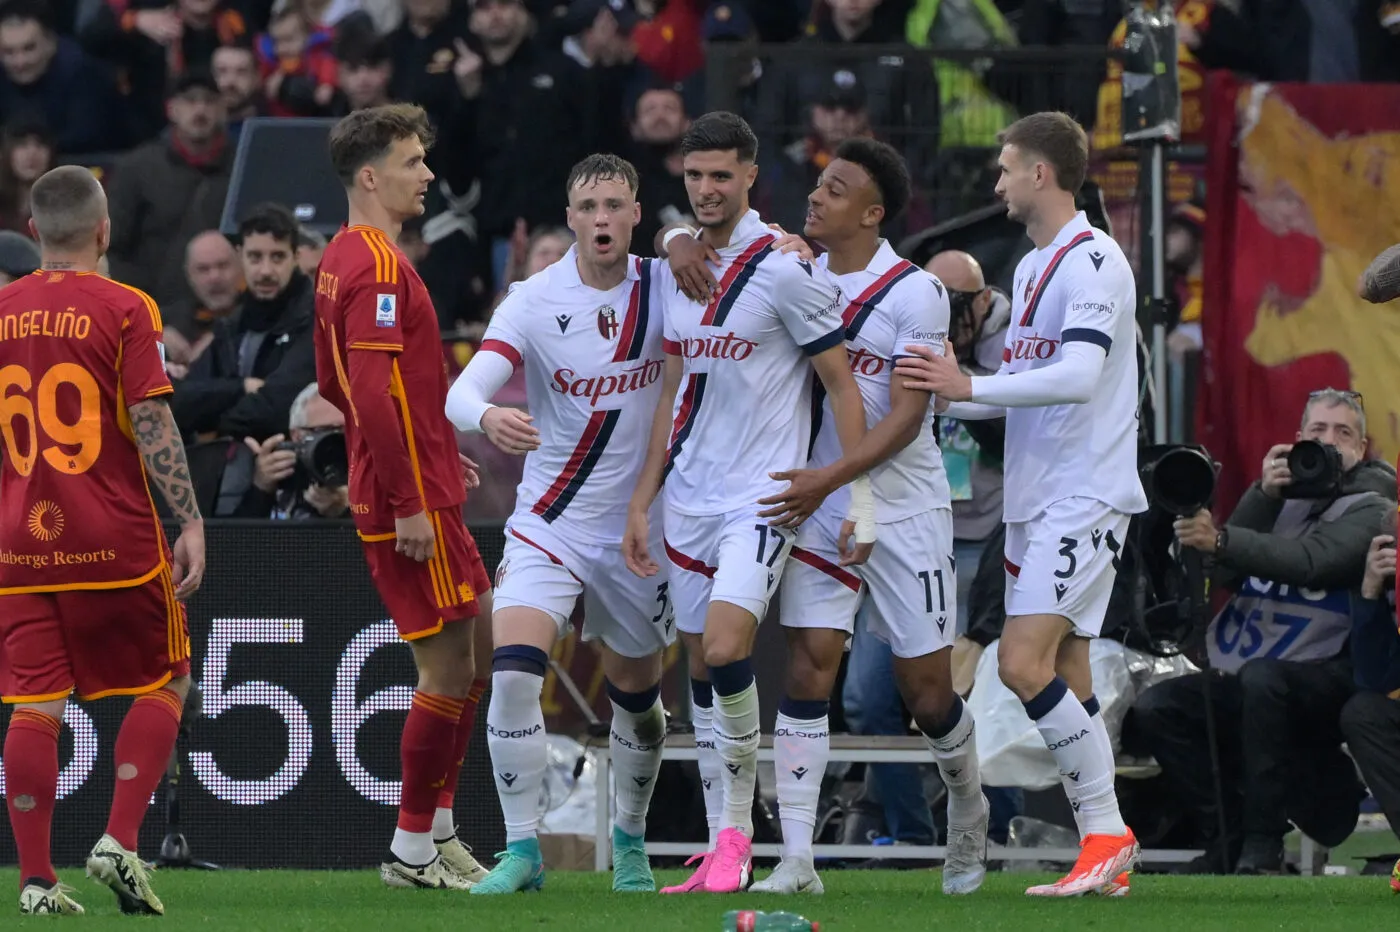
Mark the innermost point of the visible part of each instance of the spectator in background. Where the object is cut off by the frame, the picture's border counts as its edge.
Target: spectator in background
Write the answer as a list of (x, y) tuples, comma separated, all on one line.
[(235, 70), (48, 77), (310, 246), (730, 25), (659, 121), (1185, 267), (598, 35), (897, 99), (1279, 665), (669, 43), (164, 192), (215, 279), (151, 43), (524, 118), (1371, 718), (383, 15), (296, 64), (243, 385), (424, 49), (26, 152), (364, 71), (19, 256), (282, 489)]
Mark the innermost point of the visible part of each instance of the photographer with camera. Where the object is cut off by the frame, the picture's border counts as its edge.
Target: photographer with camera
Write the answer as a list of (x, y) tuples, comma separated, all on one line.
[(1371, 719), (305, 478), (1280, 673)]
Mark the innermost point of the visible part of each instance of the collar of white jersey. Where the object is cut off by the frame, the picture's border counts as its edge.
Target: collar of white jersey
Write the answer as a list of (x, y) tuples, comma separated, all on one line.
[(1080, 224), (567, 269), (885, 258), (749, 228)]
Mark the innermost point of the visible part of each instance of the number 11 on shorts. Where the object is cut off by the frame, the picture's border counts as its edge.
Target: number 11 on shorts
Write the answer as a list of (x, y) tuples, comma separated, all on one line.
[(928, 582)]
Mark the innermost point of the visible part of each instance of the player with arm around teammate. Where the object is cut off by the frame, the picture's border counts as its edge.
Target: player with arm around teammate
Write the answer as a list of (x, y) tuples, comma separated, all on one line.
[(90, 596), (587, 331), (903, 593), (1068, 389), (722, 442), (379, 360)]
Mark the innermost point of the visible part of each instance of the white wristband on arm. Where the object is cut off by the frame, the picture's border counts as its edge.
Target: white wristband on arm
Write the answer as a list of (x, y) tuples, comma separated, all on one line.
[(861, 511), (672, 234)]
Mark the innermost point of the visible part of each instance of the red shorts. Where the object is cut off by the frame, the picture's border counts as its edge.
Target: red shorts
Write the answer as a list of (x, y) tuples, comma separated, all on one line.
[(422, 597), (101, 642)]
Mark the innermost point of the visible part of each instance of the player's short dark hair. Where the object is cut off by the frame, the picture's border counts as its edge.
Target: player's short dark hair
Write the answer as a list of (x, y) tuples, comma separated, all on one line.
[(721, 131), (67, 205), (1056, 139), (22, 11), (366, 135), (272, 220), (886, 169), (603, 166)]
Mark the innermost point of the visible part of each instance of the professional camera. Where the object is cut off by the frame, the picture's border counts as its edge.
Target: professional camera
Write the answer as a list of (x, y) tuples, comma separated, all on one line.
[(322, 455), (1316, 469), (1178, 479)]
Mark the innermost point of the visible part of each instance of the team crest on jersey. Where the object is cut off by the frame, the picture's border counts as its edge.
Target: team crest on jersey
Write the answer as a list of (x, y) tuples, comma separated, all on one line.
[(1030, 285), (607, 322), (386, 311)]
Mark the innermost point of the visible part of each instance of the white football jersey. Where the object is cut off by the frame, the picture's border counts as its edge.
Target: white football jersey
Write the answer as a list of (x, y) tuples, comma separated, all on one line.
[(744, 405), (593, 368), (1079, 288), (888, 305)]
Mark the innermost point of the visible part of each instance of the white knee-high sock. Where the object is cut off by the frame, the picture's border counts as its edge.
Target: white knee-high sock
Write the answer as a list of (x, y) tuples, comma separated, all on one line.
[(702, 715), (1069, 733), (736, 740), (1091, 705), (801, 748), (519, 749), (636, 741), (955, 750)]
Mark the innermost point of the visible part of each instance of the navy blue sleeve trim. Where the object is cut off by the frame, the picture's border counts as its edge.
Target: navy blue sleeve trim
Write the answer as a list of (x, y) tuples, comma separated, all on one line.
[(822, 344), (1086, 335)]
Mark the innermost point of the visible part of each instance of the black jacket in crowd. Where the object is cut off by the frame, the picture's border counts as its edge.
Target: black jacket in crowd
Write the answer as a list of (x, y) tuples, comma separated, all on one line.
[(210, 399), (1272, 40)]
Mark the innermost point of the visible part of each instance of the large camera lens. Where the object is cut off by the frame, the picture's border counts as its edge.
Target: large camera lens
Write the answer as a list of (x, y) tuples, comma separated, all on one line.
[(1308, 461), (1180, 480), (326, 458)]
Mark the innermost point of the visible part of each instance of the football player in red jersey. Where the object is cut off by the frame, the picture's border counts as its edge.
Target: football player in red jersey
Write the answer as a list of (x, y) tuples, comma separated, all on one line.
[(89, 592), (379, 359)]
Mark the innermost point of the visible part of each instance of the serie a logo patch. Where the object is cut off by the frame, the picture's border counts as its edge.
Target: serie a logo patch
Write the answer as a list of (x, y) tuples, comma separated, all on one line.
[(385, 311)]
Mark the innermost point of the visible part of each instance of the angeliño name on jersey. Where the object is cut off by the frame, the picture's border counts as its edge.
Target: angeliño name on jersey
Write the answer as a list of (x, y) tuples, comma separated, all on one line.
[(888, 305), (1079, 288), (744, 406), (593, 367)]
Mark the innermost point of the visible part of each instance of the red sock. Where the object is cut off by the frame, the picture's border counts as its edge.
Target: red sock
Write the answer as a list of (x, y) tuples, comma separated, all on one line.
[(143, 753), (31, 783), (465, 725), (427, 752)]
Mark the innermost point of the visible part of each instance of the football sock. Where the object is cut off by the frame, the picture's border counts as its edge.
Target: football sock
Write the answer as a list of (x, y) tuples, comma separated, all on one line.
[(636, 740), (736, 740), (702, 714), (143, 749), (955, 749), (31, 784), (426, 753), (516, 737), (801, 745), (1065, 725), (444, 824)]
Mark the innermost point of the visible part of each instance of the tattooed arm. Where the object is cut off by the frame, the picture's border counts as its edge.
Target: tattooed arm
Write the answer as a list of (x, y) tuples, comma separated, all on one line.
[(163, 452)]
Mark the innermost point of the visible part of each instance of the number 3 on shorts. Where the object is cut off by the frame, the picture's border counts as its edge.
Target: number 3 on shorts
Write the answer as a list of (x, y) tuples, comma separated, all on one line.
[(1067, 547)]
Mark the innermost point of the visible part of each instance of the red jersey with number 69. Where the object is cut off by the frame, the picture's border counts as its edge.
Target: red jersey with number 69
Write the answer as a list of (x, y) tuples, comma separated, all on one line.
[(369, 299), (76, 350)]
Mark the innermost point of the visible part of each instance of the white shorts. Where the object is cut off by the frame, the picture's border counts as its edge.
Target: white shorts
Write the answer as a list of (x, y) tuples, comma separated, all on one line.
[(1064, 562), (910, 583), (734, 557), (544, 570)]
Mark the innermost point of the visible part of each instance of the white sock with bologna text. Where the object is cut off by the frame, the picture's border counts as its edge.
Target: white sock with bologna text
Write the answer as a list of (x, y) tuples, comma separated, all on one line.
[(955, 750), (801, 748), (516, 737), (636, 740), (736, 740), (707, 758), (1068, 732)]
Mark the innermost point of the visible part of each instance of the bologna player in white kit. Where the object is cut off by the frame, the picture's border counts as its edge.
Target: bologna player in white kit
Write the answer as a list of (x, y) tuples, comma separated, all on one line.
[(1068, 388), (588, 332), (905, 592), (734, 415)]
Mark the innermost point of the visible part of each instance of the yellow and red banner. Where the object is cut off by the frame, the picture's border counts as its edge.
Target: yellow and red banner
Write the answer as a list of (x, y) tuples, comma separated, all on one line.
[(1303, 189)]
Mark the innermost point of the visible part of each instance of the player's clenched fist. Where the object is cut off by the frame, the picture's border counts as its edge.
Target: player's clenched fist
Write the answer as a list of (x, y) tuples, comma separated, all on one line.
[(511, 430), (414, 537), (188, 557), (634, 545)]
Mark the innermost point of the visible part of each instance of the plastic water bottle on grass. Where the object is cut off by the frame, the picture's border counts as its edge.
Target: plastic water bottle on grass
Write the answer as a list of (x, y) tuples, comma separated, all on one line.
[(750, 920)]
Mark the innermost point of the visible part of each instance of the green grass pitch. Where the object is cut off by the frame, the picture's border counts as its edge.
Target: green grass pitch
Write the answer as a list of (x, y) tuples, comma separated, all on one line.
[(855, 901)]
